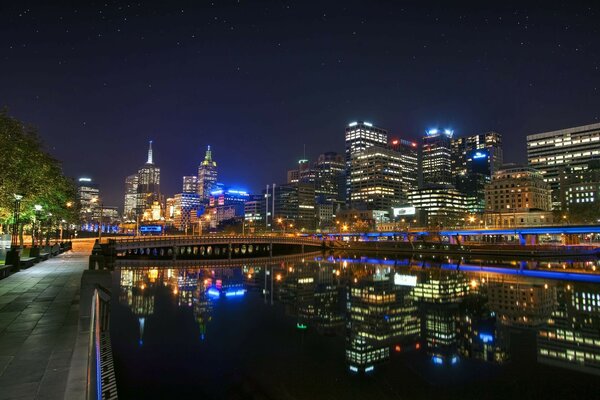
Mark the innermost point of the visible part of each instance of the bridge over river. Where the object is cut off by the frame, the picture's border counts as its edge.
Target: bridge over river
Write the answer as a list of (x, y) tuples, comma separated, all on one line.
[(204, 249)]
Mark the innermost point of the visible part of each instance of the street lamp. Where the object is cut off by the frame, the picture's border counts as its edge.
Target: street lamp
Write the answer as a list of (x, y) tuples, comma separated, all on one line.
[(34, 235), (16, 213), (12, 255)]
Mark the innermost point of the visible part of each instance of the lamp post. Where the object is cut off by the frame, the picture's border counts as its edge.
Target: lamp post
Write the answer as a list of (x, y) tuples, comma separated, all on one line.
[(12, 255), (16, 213), (35, 235)]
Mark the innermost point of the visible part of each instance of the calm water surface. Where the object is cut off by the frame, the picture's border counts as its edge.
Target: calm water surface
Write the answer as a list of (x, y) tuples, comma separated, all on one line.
[(359, 328)]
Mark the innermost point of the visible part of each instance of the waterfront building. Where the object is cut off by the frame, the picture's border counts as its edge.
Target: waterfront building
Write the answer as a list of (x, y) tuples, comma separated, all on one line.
[(254, 212), (129, 209), (376, 179), (88, 194), (550, 152), (581, 194), (436, 159), (438, 205), (207, 176), (328, 313), (190, 184), (294, 204), (571, 336), (360, 136), (517, 190), (409, 164), (148, 185)]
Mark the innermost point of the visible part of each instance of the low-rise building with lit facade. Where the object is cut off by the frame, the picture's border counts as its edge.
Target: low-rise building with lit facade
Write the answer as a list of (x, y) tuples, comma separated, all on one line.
[(438, 206)]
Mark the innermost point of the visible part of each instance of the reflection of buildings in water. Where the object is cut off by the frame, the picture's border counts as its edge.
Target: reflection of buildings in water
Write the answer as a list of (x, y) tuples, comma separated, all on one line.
[(327, 313), (379, 314), (523, 304), (137, 290), (480, 335), (439, 294), (202, 307), (297, 292), (571, 337)]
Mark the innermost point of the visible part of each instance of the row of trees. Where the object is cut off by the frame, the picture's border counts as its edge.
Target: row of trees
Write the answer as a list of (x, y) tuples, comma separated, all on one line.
[(28, 170)]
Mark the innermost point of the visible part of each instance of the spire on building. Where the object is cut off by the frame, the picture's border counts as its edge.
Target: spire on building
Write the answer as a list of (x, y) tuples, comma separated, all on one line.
[(208, 156), (150, 154)]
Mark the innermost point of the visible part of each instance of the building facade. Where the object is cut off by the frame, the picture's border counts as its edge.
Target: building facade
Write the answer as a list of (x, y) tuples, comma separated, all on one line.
[(516, 188), (550, 152), (190, 184), (376, 179), (129, 209), (360, 136), (439, 206), (409, 164), (436, 158)]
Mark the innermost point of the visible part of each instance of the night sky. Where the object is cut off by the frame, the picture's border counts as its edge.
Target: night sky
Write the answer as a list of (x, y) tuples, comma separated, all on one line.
[(259, 79)]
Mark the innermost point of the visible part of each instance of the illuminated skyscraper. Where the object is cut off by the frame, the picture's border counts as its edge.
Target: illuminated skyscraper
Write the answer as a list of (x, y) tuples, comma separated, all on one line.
[(481, 153), (87, 191), (360, 136), (376, 179), (148, 185), (131, 184), (207, 176), (437, 157), (409, 164)]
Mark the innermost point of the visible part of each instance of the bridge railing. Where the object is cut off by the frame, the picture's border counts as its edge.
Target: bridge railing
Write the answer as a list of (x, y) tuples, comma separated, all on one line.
[(209, 238)]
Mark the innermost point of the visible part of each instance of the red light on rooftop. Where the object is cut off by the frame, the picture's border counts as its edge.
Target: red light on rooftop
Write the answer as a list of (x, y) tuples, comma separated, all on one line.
[(418, 346), (398, 348), (414, 144), (395, 141)]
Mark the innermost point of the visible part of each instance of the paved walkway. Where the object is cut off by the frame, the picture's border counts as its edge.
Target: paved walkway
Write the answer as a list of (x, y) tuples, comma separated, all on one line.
[(39, 311)]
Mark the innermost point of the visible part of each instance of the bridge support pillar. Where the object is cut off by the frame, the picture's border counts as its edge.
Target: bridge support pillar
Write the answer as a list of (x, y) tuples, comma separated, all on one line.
[(303, 249), (175, 250), (570, 239), (456, 239), (271, 249), (229, 251)]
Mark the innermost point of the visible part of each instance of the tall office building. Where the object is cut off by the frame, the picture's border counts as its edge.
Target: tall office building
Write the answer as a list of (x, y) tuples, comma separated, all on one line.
[(376, 179), (207, 176), (190, 184), (330, 179), (148, 185), (360, 136), (87, 195), (581, 194), (483, 152), (131, 184), (185, 206), (409, 164), (550, 152), (436, 163)]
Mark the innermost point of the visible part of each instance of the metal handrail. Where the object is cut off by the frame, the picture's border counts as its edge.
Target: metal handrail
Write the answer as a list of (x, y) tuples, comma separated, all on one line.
[(99, 320)]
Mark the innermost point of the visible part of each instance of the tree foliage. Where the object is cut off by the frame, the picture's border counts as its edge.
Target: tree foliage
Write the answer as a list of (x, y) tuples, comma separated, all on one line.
[(27, 169)]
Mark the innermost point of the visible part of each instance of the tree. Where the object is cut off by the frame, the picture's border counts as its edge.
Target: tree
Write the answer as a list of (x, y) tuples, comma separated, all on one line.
[(30, 171)]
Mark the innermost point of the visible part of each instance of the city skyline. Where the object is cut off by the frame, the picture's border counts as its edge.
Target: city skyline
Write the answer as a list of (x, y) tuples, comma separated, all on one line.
[(116, 76)]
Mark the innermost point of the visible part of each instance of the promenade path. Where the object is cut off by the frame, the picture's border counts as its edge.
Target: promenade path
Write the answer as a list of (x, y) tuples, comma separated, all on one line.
[(39, 316)]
